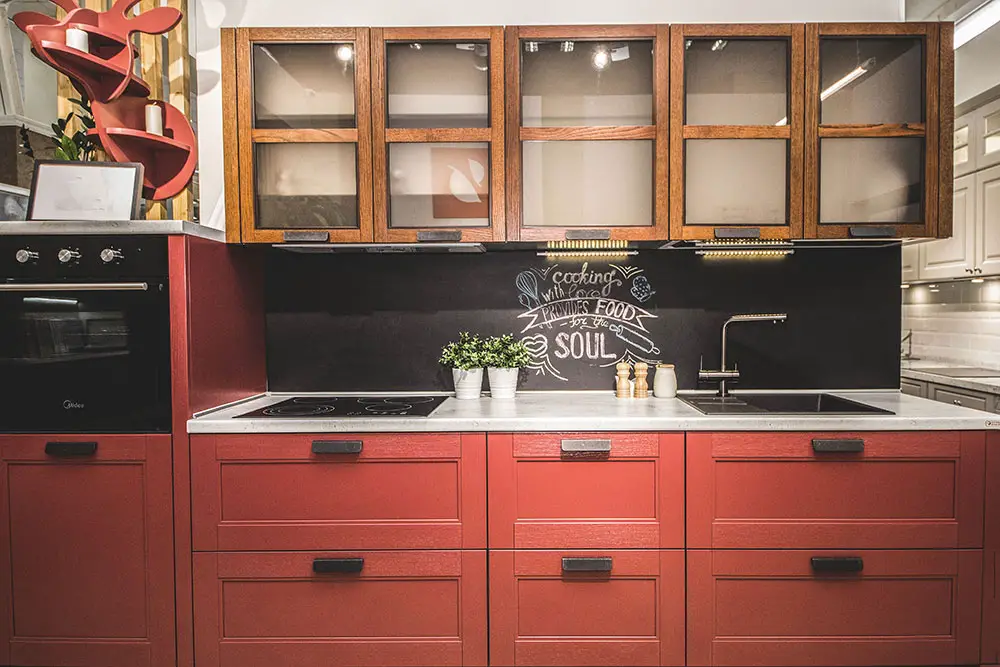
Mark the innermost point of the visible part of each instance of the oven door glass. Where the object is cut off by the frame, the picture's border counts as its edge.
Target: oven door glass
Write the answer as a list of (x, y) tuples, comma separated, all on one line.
[(85, 358)]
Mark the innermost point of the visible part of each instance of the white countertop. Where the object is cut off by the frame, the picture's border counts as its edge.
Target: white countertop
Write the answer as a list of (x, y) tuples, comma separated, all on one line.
[(915, 370), (139, 227), (601, 411)]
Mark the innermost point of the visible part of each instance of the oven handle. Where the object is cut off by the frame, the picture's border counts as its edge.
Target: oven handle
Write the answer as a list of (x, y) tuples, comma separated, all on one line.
[(74, 287)]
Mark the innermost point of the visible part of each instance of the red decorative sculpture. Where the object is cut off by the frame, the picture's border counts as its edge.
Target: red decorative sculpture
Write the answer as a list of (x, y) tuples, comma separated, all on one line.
[(104, 73)]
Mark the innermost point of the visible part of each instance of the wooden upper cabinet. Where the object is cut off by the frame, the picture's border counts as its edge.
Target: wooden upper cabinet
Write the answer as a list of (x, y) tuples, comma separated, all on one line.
[(877, 161), (587, 132), (737, 112), (304, 134), (438, 128)]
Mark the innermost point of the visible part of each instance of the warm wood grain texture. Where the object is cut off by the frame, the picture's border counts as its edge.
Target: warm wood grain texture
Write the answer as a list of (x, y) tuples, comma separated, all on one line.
[(588, 133), (383, 135), (587, 32), (771, 491), (661, 117), (512, 80), (248, 136), (770, 608), (792, 131), (929, 129), (946, 130), (543, 498), (403, 608), (258, 493), (232, 150), (179, 86), (632, 616), (88, 543), (151, 48), (337, 136)]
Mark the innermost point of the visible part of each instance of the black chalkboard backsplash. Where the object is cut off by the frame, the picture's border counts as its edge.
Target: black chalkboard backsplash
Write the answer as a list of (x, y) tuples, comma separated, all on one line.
[(358, 322)]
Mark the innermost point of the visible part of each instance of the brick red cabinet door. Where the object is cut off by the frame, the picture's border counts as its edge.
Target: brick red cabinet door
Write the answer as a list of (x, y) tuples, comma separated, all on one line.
[(801, 490), (87, 536), (541, 614), (586, 491), (773, 608), (395, 608), (304, 492)]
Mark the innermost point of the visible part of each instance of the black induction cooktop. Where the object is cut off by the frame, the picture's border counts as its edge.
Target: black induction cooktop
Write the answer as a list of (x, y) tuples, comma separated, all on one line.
[(335, 407)]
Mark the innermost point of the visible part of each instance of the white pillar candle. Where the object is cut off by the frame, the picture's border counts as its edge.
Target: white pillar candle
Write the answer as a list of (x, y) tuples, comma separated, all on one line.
[(77, 39), (154, 119)]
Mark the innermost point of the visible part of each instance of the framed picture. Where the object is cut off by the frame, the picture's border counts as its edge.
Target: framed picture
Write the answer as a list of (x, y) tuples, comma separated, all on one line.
[(461, 183), (85, 190)]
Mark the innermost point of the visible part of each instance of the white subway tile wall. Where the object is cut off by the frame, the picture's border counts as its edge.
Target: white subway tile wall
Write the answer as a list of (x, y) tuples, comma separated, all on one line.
[(954, 322)]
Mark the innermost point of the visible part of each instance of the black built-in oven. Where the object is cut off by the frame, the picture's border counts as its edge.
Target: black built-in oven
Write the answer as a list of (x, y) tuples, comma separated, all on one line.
[(84, 334)]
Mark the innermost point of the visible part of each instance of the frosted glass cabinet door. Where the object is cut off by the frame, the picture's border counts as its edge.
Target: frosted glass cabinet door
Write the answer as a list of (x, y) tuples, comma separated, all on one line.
[(306, 186), (871, 181), (736, 81), (586, 83), (437, 84), (439, 185), (303, 86), (736, 182), (587, 183), (988, 127)]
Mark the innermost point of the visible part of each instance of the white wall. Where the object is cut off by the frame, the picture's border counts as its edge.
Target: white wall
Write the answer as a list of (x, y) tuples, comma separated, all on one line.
[(213, 14), (976, 67)]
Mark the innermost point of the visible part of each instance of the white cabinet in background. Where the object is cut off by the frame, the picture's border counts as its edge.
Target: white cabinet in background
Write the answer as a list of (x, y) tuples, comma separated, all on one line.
[(986, 135), (911, 262), (954, 257), (988, 220), (965, 148)]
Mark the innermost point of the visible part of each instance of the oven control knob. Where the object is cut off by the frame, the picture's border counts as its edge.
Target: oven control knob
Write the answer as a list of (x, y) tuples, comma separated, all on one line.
[(111, 256), (24, 256), (67, 256)]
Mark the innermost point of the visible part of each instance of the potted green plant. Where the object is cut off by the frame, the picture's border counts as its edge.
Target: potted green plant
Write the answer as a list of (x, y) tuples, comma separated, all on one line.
[(465, 358), (504, 356)]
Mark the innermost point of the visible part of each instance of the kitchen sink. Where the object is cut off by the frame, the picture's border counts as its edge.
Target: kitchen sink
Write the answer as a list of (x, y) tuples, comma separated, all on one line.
[(781, 404)]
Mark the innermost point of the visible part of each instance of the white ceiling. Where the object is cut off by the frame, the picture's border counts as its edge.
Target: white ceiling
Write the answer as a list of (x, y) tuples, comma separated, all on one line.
[(939, 10)]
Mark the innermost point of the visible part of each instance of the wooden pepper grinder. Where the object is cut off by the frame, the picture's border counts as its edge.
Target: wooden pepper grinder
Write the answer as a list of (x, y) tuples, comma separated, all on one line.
[(641, 384), (623, 388)]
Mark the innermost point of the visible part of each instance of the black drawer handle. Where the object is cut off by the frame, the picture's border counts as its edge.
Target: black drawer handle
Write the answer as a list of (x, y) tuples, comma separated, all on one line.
[(585, 446), (837, 564), (586, 564), (61, 449), (337, 446), (338, 565), (588, 234), (852, 446), (871, 232), (440, 236)]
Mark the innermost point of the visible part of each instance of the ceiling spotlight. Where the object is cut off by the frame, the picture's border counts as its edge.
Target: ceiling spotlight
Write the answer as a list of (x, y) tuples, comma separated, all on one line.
[(345, 53), (719, 44), (687, 44), (416, 46), (531, 47), (566, 47), (601, 59)]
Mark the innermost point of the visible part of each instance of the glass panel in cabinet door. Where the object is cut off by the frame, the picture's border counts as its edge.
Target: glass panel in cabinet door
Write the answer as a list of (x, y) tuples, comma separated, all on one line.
[(871, 180), (439, 185), (736, 182), (991, 143), (871, 80), (586, 83), (961, 143), (303, 86), (306, 186), (587, 183), (438, 84), (736, 81)]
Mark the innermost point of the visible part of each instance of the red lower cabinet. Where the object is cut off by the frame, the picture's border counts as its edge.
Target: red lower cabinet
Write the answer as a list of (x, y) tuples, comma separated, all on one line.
[(363, 609), (780, 608), (587, 608), (991, 607), (86, 524)]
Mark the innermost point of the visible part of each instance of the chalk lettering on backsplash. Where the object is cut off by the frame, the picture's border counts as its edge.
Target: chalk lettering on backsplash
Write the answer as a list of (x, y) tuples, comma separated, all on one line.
[(585, 314)]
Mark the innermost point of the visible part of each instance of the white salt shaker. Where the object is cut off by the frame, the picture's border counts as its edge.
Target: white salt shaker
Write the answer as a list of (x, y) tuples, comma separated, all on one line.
[(665, 381)]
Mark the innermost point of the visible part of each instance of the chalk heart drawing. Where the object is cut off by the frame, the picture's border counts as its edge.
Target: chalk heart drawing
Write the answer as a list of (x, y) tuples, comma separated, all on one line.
[(589, 314)]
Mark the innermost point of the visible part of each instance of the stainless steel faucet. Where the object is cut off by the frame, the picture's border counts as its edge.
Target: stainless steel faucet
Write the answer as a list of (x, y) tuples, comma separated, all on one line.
[(724, 374)]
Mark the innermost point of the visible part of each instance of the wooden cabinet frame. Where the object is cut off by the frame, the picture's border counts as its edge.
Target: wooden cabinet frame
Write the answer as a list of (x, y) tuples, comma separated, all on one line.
[(936, 130), (658, 132), (791, 132), (383, 135), (247, 136)]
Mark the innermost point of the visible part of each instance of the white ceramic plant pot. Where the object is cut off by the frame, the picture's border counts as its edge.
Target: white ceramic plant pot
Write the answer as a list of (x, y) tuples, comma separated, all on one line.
[(503, 382), (468, 384)]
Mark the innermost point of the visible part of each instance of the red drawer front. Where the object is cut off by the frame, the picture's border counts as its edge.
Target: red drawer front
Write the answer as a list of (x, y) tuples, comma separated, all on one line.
[(402, 491), (632, 615), (87, 539), (543, 497), (402, 608), (991, 607), (772, 608), (774, 490)]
